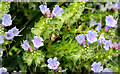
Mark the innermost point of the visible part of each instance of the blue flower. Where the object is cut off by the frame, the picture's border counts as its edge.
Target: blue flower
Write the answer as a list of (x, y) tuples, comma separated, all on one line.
[(110, 21), (80, 38), (1, 53), (107, 70), (109, 5), (38, 42), (115, 6), (3, 70), (9, 35), (43, 8), (1, 39), (91, 36), (118, 5), (108, 43), (6, 20), (53, 63), (99, 27), (102, 8), (101, 39), (57, 11), (15, 31), (97, 67), (92, 22), (25, 45)]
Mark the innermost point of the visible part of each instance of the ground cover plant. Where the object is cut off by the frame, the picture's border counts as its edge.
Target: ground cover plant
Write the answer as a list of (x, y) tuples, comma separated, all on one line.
[(77, 36)]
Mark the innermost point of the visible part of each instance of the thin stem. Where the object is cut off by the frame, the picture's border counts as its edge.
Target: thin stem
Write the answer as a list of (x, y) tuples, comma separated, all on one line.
[(35, 68), (113, 61), (13, 18), (89, 8)]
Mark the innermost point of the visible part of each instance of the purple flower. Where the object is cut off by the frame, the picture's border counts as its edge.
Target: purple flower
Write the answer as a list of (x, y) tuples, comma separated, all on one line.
[(6, 20), (1, 39), (101, 39), (91, 36), (115, 6), (118, 5), (38, 42), (110, 21), (108, 43), (1, 53), (43, 8), (57, 11), (53, 63), (107, 70), (3, 70), (99, 27), (109, 5), (15, 31), (80, 38), (97, 67), (9, 35), (92, 22), (102, 8), (25, 45)]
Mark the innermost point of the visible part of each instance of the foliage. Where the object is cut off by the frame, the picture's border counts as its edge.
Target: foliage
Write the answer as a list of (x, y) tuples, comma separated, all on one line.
[(59, 35)]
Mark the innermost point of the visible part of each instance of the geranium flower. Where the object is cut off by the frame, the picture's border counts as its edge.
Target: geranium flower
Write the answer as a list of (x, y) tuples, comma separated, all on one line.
[(57, 11), (91, 36), (108, 43), (53, 63), (9, 35), (15, 31), (25, 45), (97, 67), (3, 70), (80, 38), (38, 42), (101, 39), (1, 39), (43, 9), (1, 53), (92, 22), (110, 21), (6, 20), (107, 70)]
